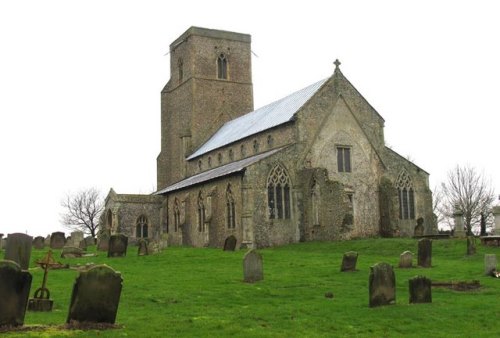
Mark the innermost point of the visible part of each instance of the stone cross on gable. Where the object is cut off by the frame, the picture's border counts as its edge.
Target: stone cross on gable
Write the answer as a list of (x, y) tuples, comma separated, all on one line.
[(337, 63)]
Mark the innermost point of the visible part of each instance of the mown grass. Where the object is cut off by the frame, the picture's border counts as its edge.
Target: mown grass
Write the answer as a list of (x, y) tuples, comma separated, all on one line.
[(189, 292)]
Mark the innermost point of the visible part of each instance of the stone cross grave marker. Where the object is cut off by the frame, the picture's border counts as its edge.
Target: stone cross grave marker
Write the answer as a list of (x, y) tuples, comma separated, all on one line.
[(230, 243), (425, 253), (96, 295), (117, 246), (15, 287), (18, 249), (490, 263), (382, 285), (252, 267), (143, 247), (420, 290), (41, 299), (39, 242), (57, 240), (406, 260), (349, 261)]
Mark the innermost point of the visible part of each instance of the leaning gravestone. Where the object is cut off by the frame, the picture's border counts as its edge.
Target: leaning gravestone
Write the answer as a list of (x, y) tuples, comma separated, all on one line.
[(382, 285), (57, 240), (490, 263), (15, 287), (230, 243), (18, 249), (406, 260), (420, 290), (349, 261), (117, 246), (425, 253), (252, 267), (39, 242), (95, 296), (143, 249)]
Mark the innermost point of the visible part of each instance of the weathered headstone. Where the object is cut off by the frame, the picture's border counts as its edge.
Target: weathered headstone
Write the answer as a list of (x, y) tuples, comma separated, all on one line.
[(419, 228), (143, 249), (15, 287), (252, 267), (382, 285), (76, 238), (71, 252), (117, 246), (406, 260), (103, 240), (425, 253), (18, 249), (230, 243), (420, 290), (471, 245), (349, 261), (95, 296), (490, 263), (39, 242), (89, 240), (57, 240)]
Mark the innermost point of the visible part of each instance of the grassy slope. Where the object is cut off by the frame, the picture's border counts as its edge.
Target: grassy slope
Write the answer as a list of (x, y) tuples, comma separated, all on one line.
[(199, 292)]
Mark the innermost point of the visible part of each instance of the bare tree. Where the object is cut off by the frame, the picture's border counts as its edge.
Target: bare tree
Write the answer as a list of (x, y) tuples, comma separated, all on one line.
[(83, 210), (470, 192)]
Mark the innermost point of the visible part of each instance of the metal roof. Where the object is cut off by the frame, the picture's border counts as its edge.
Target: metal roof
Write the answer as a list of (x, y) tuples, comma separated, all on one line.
[(264, 118), (224, 170)]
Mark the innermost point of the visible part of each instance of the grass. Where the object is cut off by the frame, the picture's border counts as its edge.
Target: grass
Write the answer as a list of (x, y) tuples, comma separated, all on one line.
[(198, 292)]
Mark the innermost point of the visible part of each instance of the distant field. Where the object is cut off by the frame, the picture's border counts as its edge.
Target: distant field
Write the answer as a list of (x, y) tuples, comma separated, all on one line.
[(188, 292)]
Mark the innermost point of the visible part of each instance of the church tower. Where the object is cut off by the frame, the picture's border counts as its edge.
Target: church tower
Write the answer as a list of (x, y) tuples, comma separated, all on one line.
[(210, 84)]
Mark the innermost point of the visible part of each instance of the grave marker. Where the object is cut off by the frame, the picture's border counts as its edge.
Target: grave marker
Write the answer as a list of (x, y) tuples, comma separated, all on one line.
[(382, 285), (490, 263), (349, 261), (406, 260), (425, 253), (117, 246), (230, 243), (15, 287), (57, 240), (252, 267), (18, 249), (143, 247), (39, 242), (420, 290)]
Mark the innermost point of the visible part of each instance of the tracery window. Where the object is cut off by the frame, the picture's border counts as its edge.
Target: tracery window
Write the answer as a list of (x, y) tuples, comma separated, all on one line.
[(406, 196), (230, 209), (141, 227), (278, 193), (177, 215), (222, 66), (201, 213)]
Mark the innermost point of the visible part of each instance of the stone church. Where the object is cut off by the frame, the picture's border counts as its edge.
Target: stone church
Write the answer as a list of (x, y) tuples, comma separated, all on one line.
[(310, 166)]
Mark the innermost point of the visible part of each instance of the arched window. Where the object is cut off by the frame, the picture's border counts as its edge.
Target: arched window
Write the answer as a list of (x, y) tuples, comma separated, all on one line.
[(109, 220), (180, 65), (230, 209), (177, 215), (315, 199), (278, 193), (201, 213), (222, 66), (406, 196), (141, 228)]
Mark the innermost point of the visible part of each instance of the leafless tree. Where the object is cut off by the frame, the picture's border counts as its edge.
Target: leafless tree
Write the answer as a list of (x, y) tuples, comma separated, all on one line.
[(469, 191), (83, 210)]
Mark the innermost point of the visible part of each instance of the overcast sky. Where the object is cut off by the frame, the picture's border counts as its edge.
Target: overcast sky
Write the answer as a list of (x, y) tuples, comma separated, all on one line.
[(80, 84)]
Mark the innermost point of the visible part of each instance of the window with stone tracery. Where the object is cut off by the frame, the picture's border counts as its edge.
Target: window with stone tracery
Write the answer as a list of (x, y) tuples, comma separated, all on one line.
[(406, 196), (141, 227), (230, 209), (278, 193), (201, 213), (222, 67)]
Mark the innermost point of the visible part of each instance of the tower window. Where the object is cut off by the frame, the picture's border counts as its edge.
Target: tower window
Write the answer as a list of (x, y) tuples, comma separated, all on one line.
[(222, 67)]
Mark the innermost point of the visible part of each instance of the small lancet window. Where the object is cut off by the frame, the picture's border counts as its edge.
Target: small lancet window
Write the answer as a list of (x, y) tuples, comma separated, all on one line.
[(222, 66), (201, 213), (177, 215), (230, 208)]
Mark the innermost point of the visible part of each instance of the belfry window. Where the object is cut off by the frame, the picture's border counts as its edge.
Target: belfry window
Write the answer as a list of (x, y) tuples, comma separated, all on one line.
[(141, 228), (406, 196), (344, 159), (230, 209), (278, 193), (222, 66)]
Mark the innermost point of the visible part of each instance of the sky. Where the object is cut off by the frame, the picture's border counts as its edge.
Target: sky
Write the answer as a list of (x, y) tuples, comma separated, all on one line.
[(80, 84)]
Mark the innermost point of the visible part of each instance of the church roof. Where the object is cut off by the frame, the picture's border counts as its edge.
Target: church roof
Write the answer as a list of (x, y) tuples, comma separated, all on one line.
[(272, 115), (227, 169)]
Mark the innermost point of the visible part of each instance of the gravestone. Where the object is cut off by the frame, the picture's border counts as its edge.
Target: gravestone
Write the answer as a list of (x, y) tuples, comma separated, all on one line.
[(406, 260), (471, 245), (41, 299), (39, 242), (143, 247), (230, 243), (382, 285), (15, 287), (57, 240), (95, 296), (71, 252), (103, 241), (18, 249), (490, 263), (349, 261), (89, 240), (252, 267), (76, 238), (420, 290), (425, 253), (117, 246)]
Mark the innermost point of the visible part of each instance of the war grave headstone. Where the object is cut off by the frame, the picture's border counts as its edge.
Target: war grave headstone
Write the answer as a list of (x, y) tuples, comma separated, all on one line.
[(57, 240), (471, 245), (406, 260), (420, 290), (96, 295), (39, 242), (490, 264), (349, 261), (143, 249), (382, 285), (15, 287), (41, 299), (230, 243), (252, 267), (117, 246), (425, 253), (18, 249)]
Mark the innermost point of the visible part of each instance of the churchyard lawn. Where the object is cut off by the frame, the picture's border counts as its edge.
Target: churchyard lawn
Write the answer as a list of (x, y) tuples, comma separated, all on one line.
[(198, 292)]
